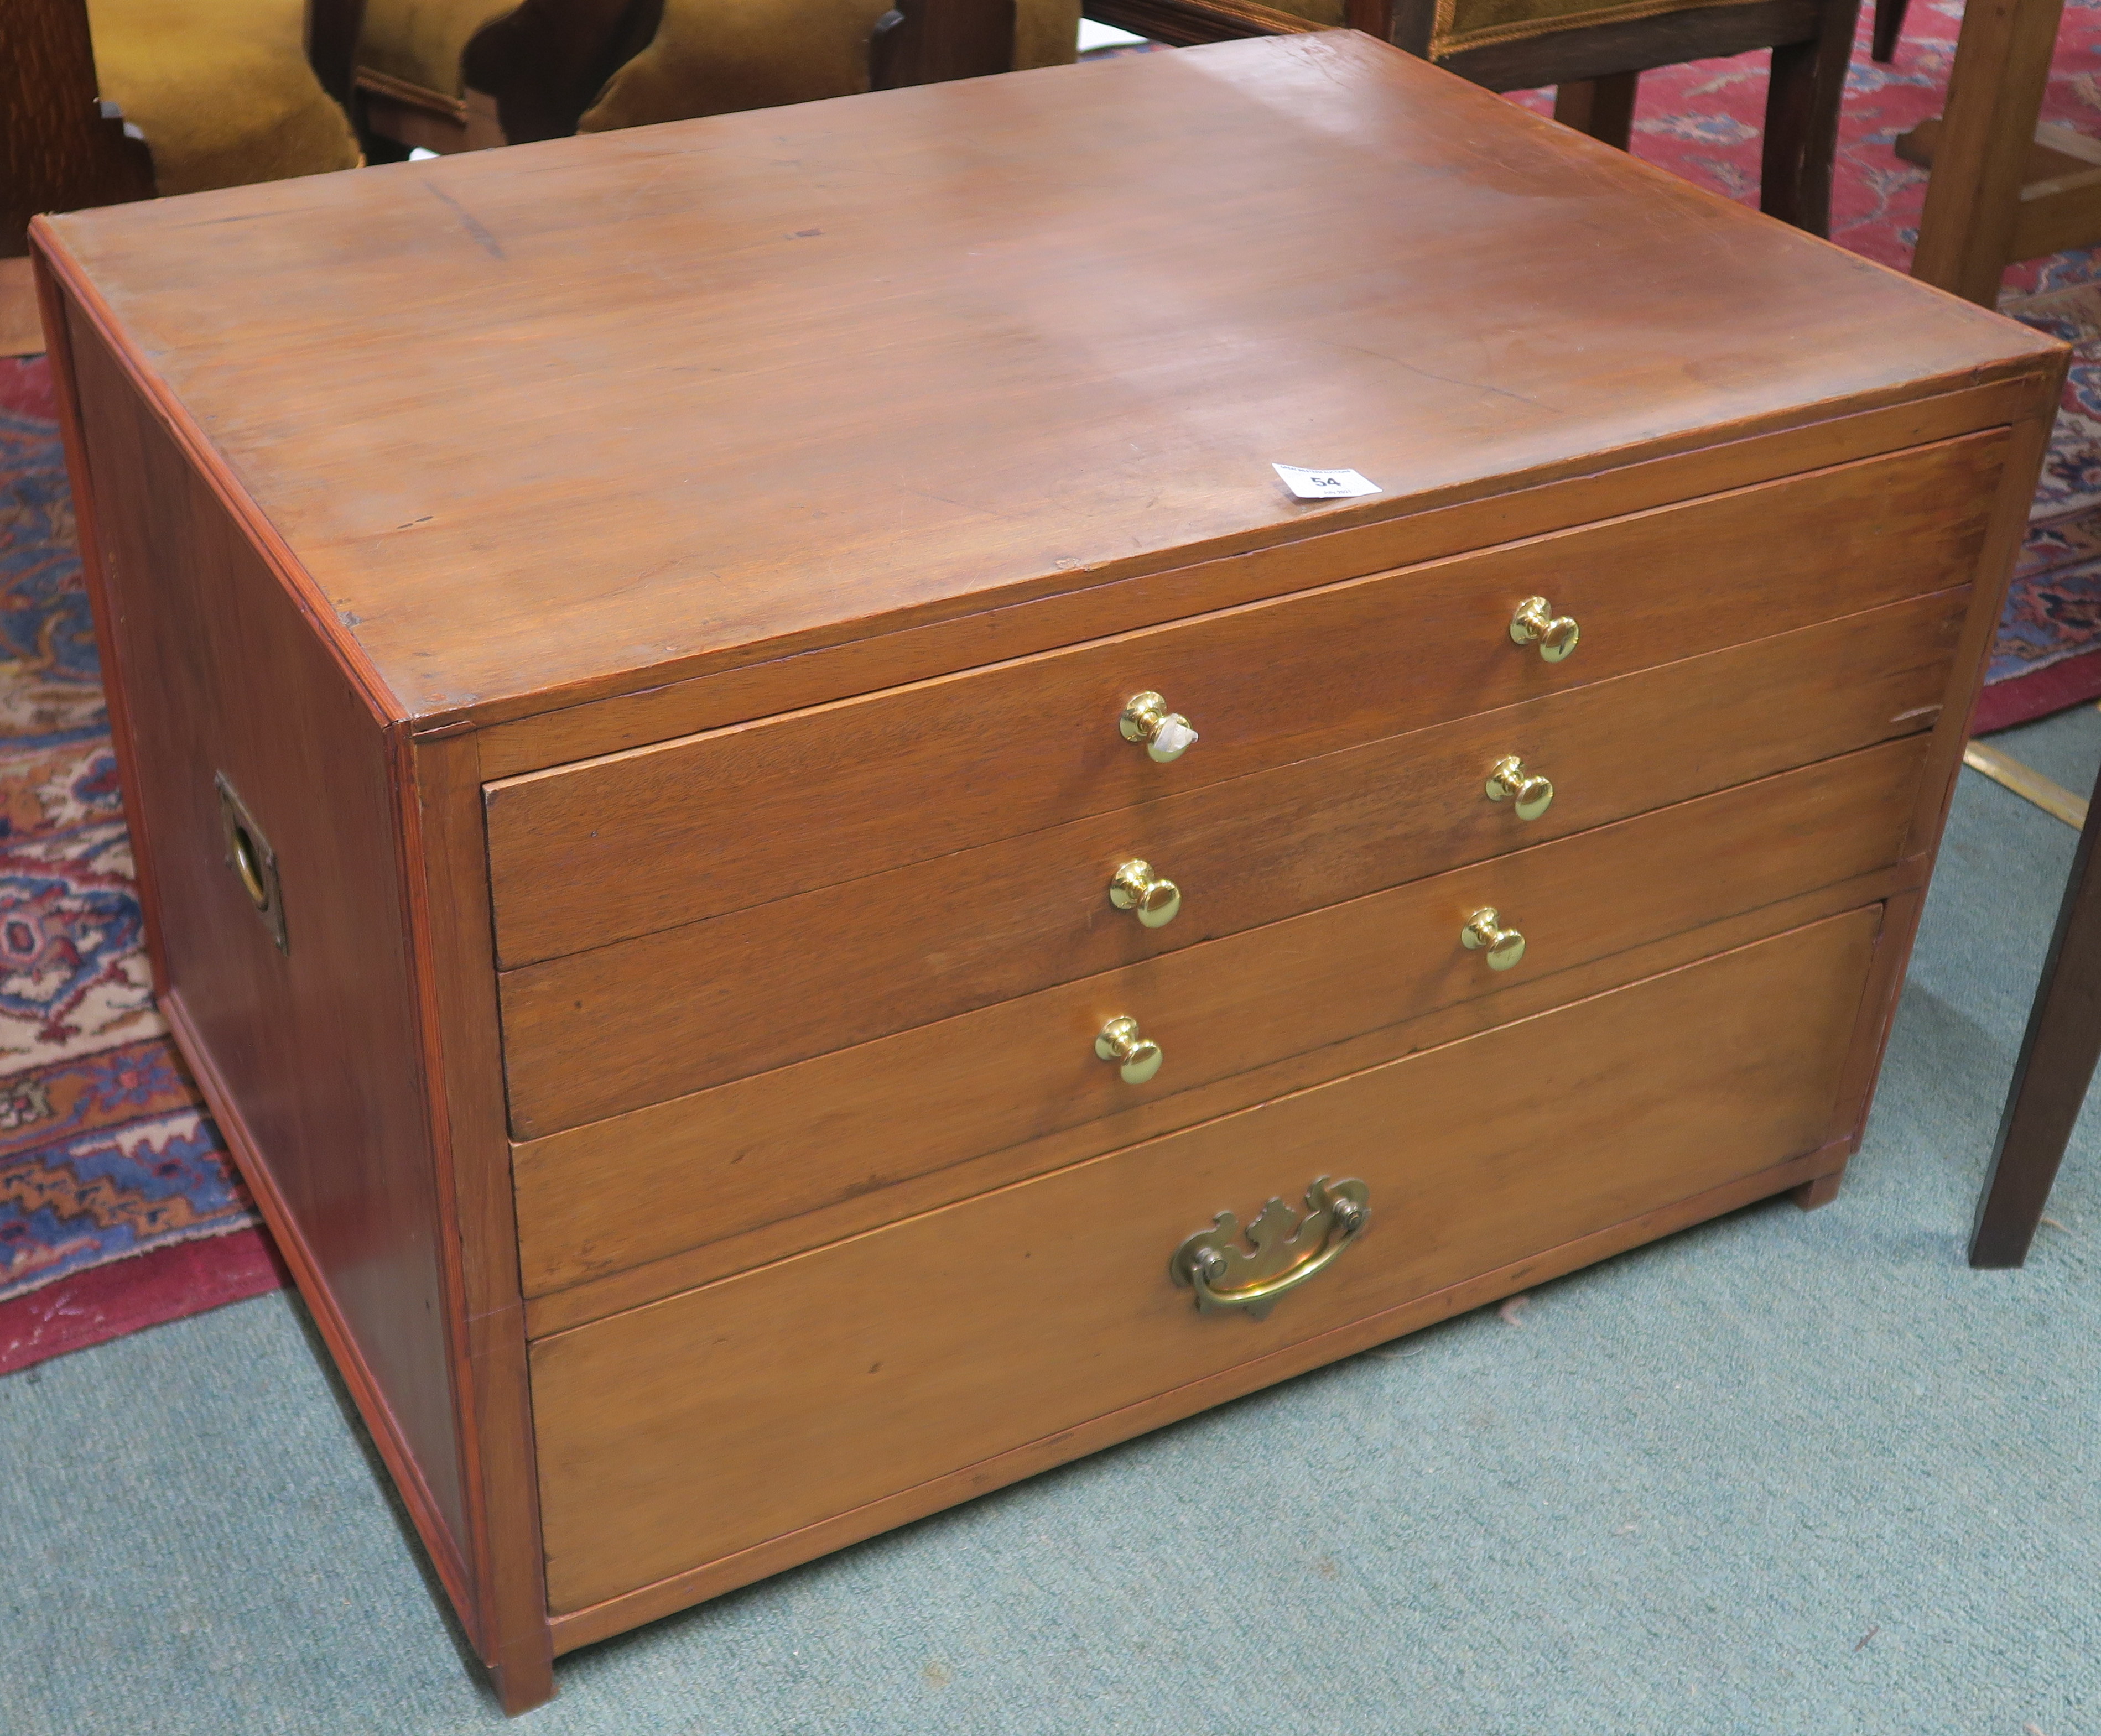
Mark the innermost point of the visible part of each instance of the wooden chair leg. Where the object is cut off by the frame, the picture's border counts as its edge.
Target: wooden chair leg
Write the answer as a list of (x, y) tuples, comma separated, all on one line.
[(1604, 108), (1410, 25), (332, 33), (1965, 234), (62, 148), (1889, 26), (1373, 17), (2057, 1060), (929, 41), (1801, 120)]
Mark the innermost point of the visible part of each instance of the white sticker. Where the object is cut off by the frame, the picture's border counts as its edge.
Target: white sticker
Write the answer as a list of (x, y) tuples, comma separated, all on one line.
[(1323, 485), (1172, 738)]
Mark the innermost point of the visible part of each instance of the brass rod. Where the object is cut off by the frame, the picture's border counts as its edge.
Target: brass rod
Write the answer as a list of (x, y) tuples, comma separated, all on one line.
[(2026, 782)]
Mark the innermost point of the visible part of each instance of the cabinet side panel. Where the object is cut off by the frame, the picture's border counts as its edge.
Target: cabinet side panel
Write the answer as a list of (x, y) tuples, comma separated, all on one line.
[(310, 1052), (2027, 447)]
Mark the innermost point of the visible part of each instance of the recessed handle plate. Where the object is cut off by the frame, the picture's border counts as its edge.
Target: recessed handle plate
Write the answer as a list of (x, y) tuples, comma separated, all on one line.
[(253, 862)]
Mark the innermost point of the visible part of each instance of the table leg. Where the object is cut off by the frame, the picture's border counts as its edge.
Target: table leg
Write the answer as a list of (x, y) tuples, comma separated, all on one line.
[(2057, 1060), (1604, 108), (1966, 236)]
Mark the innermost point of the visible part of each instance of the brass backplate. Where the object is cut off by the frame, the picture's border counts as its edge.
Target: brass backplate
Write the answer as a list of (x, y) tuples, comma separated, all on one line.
[(1280, 1245), (253, 862)]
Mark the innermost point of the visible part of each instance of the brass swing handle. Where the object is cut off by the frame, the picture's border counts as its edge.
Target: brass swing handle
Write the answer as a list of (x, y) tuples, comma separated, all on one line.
[(1281, 1250)]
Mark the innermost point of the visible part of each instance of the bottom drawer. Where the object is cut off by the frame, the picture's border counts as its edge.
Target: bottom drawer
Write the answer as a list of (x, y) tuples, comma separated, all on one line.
[(680, 1433)]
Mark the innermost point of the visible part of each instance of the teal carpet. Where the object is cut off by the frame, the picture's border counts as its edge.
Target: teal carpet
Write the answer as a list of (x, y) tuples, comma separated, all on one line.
[(1785, 1472)]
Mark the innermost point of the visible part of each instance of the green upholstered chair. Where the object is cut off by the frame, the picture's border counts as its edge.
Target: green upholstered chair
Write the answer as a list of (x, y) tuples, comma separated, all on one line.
[(711, 58), (463, 75), (1592, 51), (452, 75), (103, 101)]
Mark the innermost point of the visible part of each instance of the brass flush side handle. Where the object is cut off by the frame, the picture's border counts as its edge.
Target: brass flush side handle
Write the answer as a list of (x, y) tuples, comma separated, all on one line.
[(254, 862), (1535, 623), (1484, 933), (1508, 781), (1166, 734), (1153, 898), (247, 862), (1137, 1057), (1281, 1250)]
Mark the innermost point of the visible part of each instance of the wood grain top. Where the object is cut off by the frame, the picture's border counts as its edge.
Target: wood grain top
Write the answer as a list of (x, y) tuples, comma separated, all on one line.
[(581, 418)]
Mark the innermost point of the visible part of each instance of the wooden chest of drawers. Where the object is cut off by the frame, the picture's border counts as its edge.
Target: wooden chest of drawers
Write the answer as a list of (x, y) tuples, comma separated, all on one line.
[(654, 676)]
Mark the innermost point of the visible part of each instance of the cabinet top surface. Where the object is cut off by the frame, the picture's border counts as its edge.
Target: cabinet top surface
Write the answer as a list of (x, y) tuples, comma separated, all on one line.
[(583, 416)]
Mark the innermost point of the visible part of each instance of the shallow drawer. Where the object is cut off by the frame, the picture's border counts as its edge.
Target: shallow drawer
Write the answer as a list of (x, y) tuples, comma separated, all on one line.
[(679, 1433), (641, 1187), (664, 1014), (590, 852)]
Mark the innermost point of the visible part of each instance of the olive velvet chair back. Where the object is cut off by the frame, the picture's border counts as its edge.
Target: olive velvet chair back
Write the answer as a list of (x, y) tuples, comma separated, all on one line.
[(106, 100), (452, 75)]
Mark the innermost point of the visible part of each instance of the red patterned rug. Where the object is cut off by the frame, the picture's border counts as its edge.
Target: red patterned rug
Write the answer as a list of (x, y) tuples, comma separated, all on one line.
[(118, 1209)]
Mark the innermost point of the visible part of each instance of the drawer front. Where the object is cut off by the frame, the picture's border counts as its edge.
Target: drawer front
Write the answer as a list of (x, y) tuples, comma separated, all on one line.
[(676, 1434), (640, 1187), (585, 854), (719, 1000)]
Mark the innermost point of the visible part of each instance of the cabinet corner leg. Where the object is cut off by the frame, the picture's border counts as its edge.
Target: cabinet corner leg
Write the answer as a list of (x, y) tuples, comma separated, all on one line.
[(524, 1674), (1821, 1191)]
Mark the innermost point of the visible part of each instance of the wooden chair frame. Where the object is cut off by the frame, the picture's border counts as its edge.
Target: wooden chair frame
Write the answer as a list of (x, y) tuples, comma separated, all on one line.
[(930, 41), (2058, 1052), (62, 147), (2006, 186), (1595, 70), (531, 73)]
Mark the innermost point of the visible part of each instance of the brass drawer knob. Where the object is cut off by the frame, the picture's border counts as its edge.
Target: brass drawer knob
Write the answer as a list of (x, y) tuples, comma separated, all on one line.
[(1536, 624), (1153, 898), (1484, 933), (1280, 1253), (1137, 1057), (1509, 780), (1166, 734)]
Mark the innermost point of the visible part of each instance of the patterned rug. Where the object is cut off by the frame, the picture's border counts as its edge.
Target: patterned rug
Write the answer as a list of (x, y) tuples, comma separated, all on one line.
[(108, 1166), (2048, 652)]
